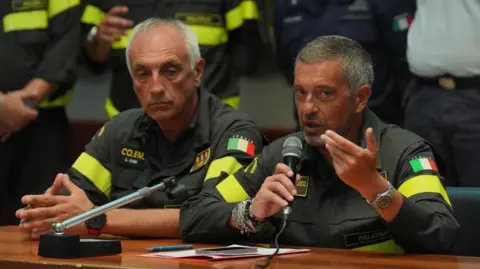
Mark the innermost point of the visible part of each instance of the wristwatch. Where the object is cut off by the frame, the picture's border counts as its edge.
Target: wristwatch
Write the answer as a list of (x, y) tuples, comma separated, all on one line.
[(384, 199), (95, 225)]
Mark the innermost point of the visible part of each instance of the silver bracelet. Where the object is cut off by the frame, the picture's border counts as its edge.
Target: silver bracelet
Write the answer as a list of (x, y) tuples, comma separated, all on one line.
[(246, 224)]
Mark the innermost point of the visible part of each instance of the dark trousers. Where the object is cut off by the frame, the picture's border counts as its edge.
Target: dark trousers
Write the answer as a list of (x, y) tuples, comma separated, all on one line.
[(31, 158), (450, 121)]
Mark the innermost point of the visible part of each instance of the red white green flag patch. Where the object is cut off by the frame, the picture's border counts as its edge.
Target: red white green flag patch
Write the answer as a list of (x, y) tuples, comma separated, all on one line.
[(422, 164), (241, 144), (402, 22)]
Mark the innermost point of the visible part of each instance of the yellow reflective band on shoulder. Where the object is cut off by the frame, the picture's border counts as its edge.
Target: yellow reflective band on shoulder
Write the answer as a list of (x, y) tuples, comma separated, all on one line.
[(233, 101), (228, 165), (123, 42), (421, 184), (95, 172), (92, 15), (60, 101), (110, 108), (28, 20), (247, 10), (385, 247), (231, 190), (209, 35), (58, 6)]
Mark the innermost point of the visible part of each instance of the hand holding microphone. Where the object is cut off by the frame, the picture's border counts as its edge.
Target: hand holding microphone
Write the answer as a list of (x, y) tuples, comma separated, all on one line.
[(278, 190)]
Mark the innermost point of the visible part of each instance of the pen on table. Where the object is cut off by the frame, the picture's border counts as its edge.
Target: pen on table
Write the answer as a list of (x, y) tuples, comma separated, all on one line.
[(170, 248)]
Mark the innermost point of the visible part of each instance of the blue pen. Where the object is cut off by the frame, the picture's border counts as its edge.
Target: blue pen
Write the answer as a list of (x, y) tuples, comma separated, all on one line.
[(170, 248)]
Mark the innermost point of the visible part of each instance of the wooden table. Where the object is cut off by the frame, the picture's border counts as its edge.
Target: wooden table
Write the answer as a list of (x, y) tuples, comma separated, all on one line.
[(18, 252)]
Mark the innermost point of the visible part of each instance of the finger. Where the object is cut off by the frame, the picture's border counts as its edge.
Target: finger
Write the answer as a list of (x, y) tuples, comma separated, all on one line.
[(335, 152), (117, 22), (282, 168), (56, 186), (108, 39), (285, 181), (371, 143), (271, 197), (42, 212), (343, 143), (43, 223), (69, 185), (112, 31), (35, 235), (280, 190), (43, 200), (118, 10)]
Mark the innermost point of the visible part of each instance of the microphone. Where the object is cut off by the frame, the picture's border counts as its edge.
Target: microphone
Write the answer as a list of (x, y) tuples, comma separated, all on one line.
[(60, 245), (291, 153)]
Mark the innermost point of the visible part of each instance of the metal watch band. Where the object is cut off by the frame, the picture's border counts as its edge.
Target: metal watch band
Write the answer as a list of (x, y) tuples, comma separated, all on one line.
[(383, 200), (242, 216)]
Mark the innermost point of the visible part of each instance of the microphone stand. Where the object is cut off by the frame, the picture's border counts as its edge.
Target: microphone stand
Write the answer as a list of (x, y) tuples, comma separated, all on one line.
[(61, 245)]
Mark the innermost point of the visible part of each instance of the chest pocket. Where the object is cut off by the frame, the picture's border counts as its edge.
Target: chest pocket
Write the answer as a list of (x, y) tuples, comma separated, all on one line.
[(353, 222), (357, 21), (129, 166)]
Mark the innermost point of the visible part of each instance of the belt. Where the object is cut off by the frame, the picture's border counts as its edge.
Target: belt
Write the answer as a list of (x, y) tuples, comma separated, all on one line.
[(451, 83)]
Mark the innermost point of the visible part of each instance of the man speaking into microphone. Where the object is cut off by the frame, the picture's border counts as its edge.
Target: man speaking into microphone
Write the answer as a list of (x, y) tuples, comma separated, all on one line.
[(361, 184), (181, 131)]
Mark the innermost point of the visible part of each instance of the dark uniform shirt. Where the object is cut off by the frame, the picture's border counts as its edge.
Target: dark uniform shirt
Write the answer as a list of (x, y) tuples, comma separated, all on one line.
[(227, 34), (40, 39), (327, 212), (131, 152)]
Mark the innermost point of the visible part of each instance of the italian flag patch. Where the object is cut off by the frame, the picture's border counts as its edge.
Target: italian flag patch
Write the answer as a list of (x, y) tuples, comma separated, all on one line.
[(422, 164), (402, 22), (241, 144)]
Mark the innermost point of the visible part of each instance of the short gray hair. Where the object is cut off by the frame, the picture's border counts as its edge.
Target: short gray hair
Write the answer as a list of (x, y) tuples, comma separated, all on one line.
[(356, 61), (191, 40)]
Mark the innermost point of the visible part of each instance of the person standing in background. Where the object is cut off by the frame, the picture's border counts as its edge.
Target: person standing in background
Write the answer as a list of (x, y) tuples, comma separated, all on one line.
[(227, 33), (39, 45), (379, 26), (443, 101)]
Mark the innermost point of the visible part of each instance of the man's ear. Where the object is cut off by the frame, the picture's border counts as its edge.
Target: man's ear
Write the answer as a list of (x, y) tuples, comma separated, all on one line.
[(361, 100), (199, 69)]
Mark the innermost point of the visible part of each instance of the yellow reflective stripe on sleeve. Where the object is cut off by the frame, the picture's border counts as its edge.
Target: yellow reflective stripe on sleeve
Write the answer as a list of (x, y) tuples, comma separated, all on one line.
[(423, 183), (386, 247), (95, 172), (28, 20), (123, 42), (110, 108), (210, 35), (228, 165), (60, 101), (231, 190), (58, 6), (92, 15), (247, 10), (233, 101)]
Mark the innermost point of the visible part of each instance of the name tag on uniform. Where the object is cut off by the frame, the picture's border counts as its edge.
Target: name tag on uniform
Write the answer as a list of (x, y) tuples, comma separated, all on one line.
[(201, 160), (366, 238), (302, 187), (132, 157), (25, 5)]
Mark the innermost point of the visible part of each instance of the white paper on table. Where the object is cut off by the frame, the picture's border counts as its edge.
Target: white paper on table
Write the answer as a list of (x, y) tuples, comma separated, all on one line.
[(192, 254)]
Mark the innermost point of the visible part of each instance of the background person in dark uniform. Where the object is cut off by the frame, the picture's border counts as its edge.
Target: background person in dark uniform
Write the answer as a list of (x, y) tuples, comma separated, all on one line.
[(364, 184), (182, 131), (379, 26), (444, 99), (39, 44), (227, 32)]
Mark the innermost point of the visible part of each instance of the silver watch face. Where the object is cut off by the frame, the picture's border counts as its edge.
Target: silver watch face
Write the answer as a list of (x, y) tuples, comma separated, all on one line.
[(383, 201)]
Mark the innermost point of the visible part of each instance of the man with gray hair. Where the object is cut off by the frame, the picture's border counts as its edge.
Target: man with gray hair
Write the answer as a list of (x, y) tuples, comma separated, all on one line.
[(361, 184), (182, 131)]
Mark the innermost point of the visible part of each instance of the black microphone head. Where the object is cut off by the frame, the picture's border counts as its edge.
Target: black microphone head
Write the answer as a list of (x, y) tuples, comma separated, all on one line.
[(292, 147)]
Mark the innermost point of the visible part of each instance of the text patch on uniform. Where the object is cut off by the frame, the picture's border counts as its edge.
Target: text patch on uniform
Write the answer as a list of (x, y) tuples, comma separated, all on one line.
[(366, 238), (24, 5), (132, 157), (200, 19), (242, 144), (419, 164), (302, 187), (201, 160)]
